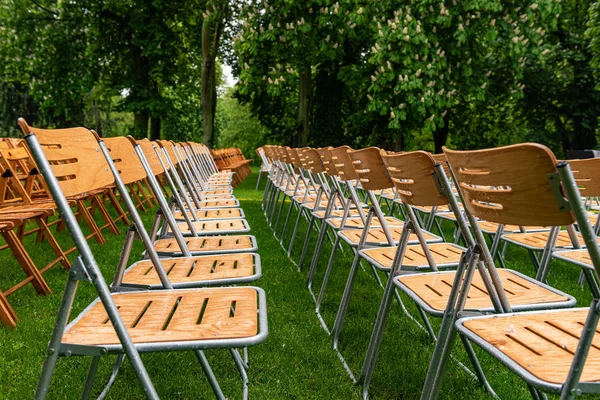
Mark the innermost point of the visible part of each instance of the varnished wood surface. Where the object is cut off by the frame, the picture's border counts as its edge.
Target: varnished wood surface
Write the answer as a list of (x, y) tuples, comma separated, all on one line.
[(434, 289), (541, 343), (211, 243), (219, 213), (509, 185), (378, 236), (414, 257), (539, 239), (171, 316), (214, 226), (370, 169), (414, 178), (193, 269)]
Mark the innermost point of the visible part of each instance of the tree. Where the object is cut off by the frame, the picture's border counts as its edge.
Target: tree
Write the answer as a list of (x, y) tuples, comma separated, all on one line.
[(433, 58), (282, 44)]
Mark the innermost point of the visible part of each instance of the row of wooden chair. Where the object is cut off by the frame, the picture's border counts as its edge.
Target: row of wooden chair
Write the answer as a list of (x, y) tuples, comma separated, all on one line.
[(233, 159), (181, 296), (515, 195), (25, 201)]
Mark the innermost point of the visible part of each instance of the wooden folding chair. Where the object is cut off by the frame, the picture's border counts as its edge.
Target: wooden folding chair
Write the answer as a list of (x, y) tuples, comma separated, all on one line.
[(521, 185), (172, 246), (421, 182), (131, 322)]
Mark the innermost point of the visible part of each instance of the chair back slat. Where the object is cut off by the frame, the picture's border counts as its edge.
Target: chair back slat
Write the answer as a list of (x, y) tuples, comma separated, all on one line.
[(587, 176), (313, 161), (370, 169), (413, 175), (126, 160), (327, 161), (75, 158), (343, 163), (505, 184), (148, 149)]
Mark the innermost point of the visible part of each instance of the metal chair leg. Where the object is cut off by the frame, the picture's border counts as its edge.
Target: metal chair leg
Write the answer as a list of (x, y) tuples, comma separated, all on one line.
[(214, 384), (89, 380)]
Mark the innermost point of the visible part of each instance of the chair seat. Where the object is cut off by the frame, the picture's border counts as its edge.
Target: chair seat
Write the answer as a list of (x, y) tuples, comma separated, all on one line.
[(192, 270), (171, 316), (208, 245), (433, 289), (209, 227), (537, 240), (580, 257), (376, 236), (227, 196), (542, 344), (445, 255), (338, 213), (427, 209), (227, 203), (356, 222), (219, 213), (492, 227)]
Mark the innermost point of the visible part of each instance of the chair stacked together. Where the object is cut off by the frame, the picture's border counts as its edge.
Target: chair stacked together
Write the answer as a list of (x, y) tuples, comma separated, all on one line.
[(384, 206), (189, 291), (232, 159), (27, 208)]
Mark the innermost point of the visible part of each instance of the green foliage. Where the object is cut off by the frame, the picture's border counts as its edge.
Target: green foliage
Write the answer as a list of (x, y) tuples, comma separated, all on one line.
[(237, 127)]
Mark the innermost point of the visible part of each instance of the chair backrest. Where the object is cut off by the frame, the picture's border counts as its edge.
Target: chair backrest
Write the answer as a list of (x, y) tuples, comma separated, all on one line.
[(294, 157), (78, 165), (587, 176), (510, 185), (313, 161), (413, 175), (126, 160), (148, 149), (168, 146), (370, 169), (343, 163), (327, 161)]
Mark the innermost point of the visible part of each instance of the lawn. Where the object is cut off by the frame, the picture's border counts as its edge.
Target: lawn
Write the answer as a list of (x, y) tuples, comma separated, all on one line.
[(295, 362)]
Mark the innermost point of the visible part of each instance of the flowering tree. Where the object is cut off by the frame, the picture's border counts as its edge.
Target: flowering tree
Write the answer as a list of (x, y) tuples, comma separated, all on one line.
[(433, 56)]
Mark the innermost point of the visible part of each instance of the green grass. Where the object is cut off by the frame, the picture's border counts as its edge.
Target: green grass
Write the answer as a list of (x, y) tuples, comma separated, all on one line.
[(295, 362)]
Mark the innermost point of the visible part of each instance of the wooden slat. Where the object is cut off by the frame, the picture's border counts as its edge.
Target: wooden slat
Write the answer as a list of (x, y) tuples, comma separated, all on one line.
[(149, 317), (193, 269), (434, 289), (378, 236), (356, 222), (443, 253), (542, 343), (214, 226), (218, 213), (211, 243), (539, 239)]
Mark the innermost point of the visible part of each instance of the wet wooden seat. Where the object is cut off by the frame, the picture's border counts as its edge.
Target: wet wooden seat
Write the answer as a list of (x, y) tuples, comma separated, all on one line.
[(209, 227), (377, 236), (193, 269), (218, 213), (356, 222), (171, 316), (208, 245), (537, 240), (338, 213), (227, 196), (445, 255), (542, 344), (492, 227), (228, 203), (433, 289)]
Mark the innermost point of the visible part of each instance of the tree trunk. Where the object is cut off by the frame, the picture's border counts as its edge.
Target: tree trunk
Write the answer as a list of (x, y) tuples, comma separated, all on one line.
[(210, 44), (140, 125), (304, 95), (441, 135), (155, 125)]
